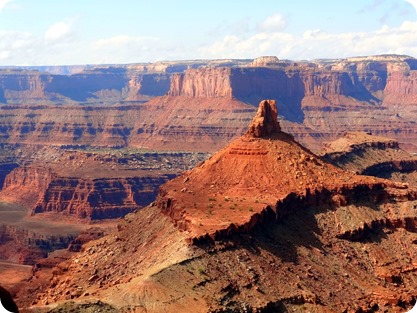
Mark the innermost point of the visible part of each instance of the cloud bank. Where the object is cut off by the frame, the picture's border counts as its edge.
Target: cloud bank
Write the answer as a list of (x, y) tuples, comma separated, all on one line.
[(3, 3), (317, 44), (63, 43)]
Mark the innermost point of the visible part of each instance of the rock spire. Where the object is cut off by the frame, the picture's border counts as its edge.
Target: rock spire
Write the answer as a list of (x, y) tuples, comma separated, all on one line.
[(265, 122)]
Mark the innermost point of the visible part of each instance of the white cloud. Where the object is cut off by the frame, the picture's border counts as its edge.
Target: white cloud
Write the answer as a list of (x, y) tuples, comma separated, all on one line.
[(4, 54), (256, 45), (413, 3), (14, 46), (317, 44), (3, 3), (239, 27), (59, 30), (313, 34), (273, 23), (24, 48), (60, 44)]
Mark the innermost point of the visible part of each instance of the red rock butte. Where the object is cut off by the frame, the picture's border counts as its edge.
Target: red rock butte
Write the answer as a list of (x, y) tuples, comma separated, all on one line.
[(264, 225), (256, 172)]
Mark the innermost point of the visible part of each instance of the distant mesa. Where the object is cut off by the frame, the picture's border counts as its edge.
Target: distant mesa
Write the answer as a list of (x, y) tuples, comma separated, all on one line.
[(265, 61)]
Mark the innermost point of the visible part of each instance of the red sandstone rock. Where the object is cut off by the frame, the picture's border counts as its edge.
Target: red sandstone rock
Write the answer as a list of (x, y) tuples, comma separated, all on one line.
[(205, 82), (325, 98), (265, 123), (264, 224), (372, 155), (43, 190), (267, 167)]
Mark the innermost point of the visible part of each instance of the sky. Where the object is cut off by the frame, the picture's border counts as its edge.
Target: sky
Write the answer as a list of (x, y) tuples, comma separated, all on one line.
[(67, 32)]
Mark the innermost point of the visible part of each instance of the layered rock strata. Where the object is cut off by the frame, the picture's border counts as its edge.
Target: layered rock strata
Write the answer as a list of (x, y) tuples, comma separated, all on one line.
[(41, 189), (320, 100), (264, 225), (23, 246), (372, 155)]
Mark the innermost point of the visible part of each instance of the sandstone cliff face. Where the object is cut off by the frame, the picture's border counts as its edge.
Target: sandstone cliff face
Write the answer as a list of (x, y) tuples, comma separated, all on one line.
[(5, 169), (108, 86), (23, 246), (401, 88), (204, 82), (358, 94), (42, 190), (142, 86), (20, 86), (98, 198), (296, 87), (102, 85), (254, 84), (373, 76), (26, 184), (167, 123), (321, 100), (68, 125), (188, 123)]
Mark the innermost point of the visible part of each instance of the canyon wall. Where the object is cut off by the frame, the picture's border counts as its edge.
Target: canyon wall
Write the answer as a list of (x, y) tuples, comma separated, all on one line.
[(42, 191), (98, 198), (388, 79), (22, 246), (205, 82), (401, 87), (167, 105), (108, 84), (168, 123), (100, 85), (324, 98)]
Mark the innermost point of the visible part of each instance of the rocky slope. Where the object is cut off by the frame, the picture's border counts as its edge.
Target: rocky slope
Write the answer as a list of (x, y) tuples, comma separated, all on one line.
[(372, 155), (282, 231)]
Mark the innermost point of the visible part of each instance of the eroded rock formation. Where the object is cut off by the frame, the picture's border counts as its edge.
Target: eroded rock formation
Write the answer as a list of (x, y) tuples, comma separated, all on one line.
[(265, 123), (22, 246), (43, 190), (372, 155), (281, 231)]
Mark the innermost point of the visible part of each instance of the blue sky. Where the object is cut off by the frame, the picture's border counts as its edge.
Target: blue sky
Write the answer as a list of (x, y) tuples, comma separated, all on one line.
[(57, 32)]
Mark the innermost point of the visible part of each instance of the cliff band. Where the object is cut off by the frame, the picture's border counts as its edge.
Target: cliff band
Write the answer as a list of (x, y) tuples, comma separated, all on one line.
[(264, 225)]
